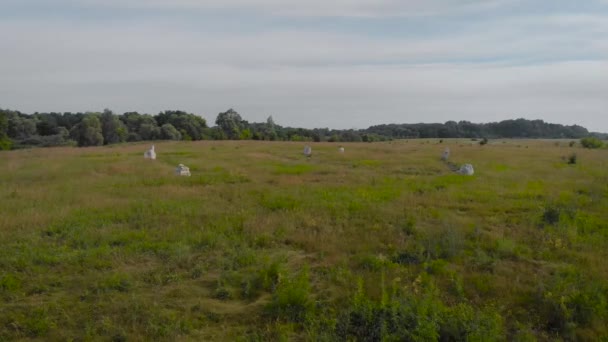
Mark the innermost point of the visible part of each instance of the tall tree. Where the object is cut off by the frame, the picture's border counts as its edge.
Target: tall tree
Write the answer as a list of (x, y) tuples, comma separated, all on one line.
[(20, 126), (270, 131), (231, 123), (191, 127), (112, 129), (88, 132), (169, 132)]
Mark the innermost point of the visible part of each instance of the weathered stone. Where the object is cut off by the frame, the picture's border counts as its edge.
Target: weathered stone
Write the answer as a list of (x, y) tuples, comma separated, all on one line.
[(446, 155), (466, 169), (182, 170), (307, 151), (150, 154)]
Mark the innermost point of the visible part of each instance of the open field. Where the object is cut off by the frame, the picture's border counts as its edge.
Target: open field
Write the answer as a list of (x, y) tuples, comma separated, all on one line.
[(260, 243)]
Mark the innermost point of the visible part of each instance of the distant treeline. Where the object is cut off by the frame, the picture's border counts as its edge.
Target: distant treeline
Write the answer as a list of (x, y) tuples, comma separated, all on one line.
[(18, 130)]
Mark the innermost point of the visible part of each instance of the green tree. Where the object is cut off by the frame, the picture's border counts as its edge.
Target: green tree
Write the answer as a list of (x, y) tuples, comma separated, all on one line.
[(169, 132), (88, 132), (20, 126), (231, 123), (112, 129), (270, 131), (192, 127), (591, 142), (5, 142)]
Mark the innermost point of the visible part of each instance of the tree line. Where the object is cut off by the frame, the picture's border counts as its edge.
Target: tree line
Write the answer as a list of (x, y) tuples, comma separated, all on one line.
[(19, 130)]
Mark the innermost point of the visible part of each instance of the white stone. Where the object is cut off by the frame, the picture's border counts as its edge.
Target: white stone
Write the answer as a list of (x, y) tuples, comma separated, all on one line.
[(341, 149), (150, 154), (446, 155), (466, 169), (307, 151), (182, 170)]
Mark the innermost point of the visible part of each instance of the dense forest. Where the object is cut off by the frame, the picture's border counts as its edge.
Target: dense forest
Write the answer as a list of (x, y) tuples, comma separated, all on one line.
[(19, 130)]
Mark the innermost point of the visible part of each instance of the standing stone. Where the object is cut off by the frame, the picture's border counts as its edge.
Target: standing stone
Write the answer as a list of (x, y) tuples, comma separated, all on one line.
[(446, 155), (150, 154), (307, 151)]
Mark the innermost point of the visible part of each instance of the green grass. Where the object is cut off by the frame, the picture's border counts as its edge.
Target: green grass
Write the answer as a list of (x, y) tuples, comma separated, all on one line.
[(261, 243)]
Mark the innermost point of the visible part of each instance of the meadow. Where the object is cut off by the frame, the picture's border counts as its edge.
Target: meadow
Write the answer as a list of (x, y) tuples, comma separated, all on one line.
[(382, 242)]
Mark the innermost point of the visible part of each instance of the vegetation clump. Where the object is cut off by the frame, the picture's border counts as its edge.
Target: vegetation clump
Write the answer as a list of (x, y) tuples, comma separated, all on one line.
[(591, 142)]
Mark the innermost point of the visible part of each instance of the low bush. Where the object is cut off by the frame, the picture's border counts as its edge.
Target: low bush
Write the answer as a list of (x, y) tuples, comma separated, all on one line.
[(591, 142)]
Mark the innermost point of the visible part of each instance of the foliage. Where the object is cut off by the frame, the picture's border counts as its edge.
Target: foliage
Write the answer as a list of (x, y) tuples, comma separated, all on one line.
[(88, 132), (112, 129), (591, 142), (231, 124), (190, 126), (416, 316), (5, 142), (291, 299), (169, 132), (23, 130), (572, 159)]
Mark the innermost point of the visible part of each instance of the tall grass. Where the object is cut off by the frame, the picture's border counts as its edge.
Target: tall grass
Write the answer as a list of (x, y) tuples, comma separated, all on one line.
[(382, 243)]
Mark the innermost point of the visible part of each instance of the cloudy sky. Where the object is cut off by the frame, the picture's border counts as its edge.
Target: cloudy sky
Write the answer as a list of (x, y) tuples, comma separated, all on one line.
[(313, 63)]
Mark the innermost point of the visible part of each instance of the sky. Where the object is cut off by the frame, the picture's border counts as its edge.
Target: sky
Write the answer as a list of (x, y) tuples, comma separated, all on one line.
[(314, 63)]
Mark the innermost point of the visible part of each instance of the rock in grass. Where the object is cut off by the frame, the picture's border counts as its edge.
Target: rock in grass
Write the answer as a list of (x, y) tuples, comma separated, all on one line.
[(341, 149), (466, 169), (150, 154), (446, 155), (307, 151), (182, 170)]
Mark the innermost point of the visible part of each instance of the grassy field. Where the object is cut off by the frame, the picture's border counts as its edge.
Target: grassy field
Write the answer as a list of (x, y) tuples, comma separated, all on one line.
[(381, 242)]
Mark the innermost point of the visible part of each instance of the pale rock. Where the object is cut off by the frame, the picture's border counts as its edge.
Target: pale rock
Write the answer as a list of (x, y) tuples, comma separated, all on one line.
[(446, 155), (182, 170), (307, 151), (150, 154), (466, 169)]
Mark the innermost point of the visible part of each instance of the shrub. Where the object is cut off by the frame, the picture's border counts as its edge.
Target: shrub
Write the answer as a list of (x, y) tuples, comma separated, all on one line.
[(551, 215), (419, 316), (591, 142), (291, 300), (5, 143), (484, 141), (572, 159), (570, 299)]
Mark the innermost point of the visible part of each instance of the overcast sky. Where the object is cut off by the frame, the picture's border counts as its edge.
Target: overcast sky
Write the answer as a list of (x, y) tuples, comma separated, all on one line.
[(313, 63)]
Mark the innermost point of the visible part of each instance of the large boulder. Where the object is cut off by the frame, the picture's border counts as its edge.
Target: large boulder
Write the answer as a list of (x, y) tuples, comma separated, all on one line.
[(466, 169)]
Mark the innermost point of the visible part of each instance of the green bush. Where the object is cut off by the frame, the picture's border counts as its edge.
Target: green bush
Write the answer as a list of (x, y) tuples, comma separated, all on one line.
[(291, 299), (415, 316), (570, 299), (591, 142), (551, 215), (5, 143)]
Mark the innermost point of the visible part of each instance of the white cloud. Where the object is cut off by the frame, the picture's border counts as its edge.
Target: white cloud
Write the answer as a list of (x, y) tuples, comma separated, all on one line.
[(547, 67)]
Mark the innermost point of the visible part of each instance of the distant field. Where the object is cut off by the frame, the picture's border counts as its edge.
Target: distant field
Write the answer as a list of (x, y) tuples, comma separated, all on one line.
[(381, 242)]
